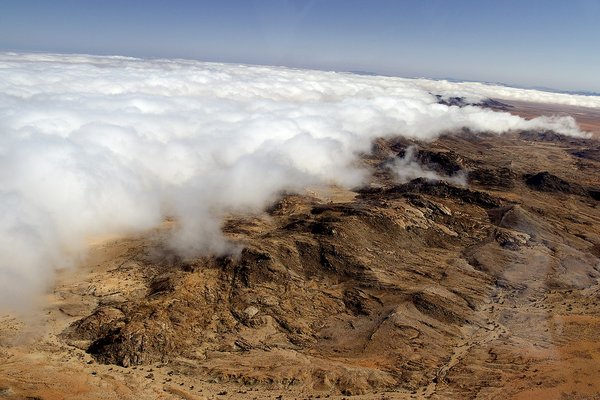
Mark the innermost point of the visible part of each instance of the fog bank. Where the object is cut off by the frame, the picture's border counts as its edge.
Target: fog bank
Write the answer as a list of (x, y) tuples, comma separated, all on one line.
[(101, 145)]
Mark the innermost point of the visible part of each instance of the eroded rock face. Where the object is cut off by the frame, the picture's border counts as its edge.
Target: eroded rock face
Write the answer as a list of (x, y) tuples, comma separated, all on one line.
[(392, 287), (495, 178), (546, 182)]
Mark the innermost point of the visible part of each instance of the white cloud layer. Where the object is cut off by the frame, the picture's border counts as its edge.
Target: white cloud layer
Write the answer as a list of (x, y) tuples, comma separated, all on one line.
[(100, 145)]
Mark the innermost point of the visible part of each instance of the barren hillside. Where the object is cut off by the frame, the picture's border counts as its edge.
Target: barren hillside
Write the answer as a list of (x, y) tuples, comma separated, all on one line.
[(399, 289)]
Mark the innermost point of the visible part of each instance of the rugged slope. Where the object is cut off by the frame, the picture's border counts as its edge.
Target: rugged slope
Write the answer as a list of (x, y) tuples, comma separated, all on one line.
[(415, 289)]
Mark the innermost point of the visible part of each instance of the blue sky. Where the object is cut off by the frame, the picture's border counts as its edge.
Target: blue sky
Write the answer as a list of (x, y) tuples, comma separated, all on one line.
[(527, 42)]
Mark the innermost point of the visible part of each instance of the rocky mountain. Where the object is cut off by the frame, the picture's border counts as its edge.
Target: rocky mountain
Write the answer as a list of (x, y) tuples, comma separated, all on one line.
[(426, 288)]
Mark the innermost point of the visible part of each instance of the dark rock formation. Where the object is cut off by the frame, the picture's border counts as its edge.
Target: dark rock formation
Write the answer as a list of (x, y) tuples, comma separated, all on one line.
[(501, 178), (546, 182)]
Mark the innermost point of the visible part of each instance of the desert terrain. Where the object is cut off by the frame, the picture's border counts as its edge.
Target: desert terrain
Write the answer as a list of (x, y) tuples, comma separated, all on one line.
[(587, 118), (423, 289)]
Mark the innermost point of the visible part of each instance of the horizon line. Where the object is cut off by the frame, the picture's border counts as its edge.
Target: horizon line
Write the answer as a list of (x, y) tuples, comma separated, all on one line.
[(577, 92)]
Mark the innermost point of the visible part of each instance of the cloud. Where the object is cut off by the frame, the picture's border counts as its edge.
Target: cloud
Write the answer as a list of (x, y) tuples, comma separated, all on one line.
[(102, 145)]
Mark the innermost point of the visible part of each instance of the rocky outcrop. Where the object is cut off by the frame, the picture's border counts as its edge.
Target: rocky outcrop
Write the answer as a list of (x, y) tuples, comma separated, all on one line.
[(389, 288), (546, 182)]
